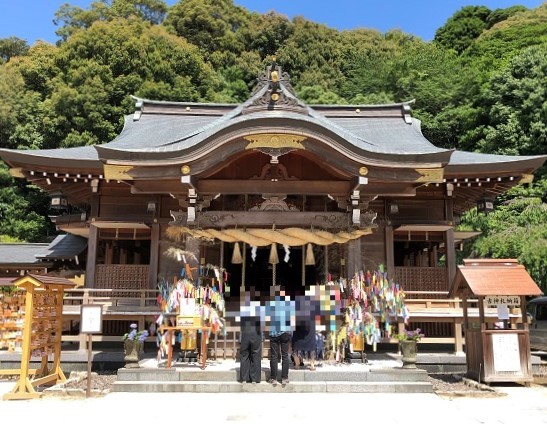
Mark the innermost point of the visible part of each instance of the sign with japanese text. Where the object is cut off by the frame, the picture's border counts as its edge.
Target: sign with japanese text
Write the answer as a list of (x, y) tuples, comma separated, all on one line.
[(506, 352), (91, 321), (495, 301)]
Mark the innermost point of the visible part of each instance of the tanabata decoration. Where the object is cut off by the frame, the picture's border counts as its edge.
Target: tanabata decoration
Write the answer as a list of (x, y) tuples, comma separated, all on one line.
[(206, 290), (372, 299)]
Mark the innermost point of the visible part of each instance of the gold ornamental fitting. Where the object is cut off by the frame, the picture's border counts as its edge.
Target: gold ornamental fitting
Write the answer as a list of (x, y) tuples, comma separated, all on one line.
[(275, 97), (185, 169), (363, 170)]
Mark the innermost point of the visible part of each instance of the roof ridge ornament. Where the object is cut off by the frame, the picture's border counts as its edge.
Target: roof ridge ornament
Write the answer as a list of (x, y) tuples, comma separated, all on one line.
[(274, 91), (139, 106), (407, 113)]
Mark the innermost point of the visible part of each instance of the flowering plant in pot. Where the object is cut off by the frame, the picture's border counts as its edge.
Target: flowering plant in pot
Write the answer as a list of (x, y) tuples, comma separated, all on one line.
[(133, 345), (134, 334), (406, 335), (408, 340)]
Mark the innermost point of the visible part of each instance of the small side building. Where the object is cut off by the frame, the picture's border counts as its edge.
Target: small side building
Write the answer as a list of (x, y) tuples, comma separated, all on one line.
[(497, 345)]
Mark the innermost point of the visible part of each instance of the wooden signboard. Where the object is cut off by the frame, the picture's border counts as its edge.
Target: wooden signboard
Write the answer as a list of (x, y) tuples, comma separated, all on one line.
[(42, 332)]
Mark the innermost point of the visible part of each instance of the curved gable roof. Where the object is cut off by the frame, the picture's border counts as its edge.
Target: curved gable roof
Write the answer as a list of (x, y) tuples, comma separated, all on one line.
[(162, 131)]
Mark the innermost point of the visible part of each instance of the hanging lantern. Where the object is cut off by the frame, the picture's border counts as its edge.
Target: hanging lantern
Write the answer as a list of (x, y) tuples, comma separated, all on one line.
[(274, 259), (236, 255), (310, 258), (485, 205), (58, 205)]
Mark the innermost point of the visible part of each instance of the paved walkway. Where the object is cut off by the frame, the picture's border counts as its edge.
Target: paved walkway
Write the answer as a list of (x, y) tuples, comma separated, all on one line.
[(518, 405)]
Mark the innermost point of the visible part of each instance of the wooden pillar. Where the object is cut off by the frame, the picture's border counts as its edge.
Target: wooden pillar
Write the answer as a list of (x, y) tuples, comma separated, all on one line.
[(244, 264), (355, 263), (82, 337), (303, 265), (450, 257), (326, 263), (92, 244), (154, 255), (123, 257), (458, 337), (482, 317), (390, 256), (109, 253)]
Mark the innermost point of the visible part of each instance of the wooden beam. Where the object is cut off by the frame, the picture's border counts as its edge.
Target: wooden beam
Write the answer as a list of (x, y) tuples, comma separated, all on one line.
[(265, 186), (327, 220), (311, 187)]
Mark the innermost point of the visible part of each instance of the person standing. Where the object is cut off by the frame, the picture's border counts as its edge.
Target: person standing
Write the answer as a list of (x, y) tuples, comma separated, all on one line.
[(304, 341), (281, 312), (250, 350)]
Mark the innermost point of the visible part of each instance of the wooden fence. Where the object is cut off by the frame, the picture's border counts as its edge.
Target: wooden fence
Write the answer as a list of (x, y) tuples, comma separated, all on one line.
[(439, 317)]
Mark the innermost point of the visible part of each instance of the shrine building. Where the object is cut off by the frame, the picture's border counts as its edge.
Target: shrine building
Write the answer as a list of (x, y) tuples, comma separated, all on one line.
[(273, 190)]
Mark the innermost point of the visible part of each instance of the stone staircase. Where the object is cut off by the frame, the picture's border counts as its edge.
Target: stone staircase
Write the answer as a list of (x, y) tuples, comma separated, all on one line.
[(223, 376)]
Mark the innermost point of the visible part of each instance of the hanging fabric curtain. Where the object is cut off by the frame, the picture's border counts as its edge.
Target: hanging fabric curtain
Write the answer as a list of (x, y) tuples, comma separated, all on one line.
[(310, 258)]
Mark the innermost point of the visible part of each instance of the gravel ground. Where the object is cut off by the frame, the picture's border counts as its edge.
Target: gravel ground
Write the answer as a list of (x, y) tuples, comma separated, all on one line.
[(450, 383), (99, 382), (445, 384), (441, 383)]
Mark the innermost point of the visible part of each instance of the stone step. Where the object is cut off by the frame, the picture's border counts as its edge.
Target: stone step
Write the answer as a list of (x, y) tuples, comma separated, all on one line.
[(263, 387), (224, 377), (362, 374)]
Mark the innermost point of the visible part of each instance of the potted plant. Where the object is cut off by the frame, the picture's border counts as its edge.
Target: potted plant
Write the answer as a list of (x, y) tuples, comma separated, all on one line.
[(133, 343), (408, 341)]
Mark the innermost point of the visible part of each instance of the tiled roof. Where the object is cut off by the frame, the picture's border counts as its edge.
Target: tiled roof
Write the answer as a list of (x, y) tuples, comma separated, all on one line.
[(65, 246), (21, 253), (177, 132), (164, 130), (7, 281), (86, 156), (44, 279), (494, 277)]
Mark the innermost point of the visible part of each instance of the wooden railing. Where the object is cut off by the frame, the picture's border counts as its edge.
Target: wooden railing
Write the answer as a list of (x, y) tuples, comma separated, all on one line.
[(432, 279), (428, 310), (115, 276), (119, 307)]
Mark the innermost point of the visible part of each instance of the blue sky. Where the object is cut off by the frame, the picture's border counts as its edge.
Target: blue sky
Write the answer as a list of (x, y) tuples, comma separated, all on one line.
[(32, 19)]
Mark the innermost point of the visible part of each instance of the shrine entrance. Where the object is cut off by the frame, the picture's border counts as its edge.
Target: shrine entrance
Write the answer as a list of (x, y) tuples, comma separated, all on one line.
[(259, 272)]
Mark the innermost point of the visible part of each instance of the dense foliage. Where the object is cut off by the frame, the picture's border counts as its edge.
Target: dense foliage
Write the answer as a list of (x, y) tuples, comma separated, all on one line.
[(479, 86)]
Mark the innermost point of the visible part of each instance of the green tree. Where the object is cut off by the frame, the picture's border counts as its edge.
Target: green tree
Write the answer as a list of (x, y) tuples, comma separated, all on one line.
[(11, 47), (514, 109), (23, 208), (313, 55), (79, 92), (495, 46), (516, 229), (72, 18), (209, 24), (373, 63), (317, 95), (266, 33), (500, 15), (462, 28)]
